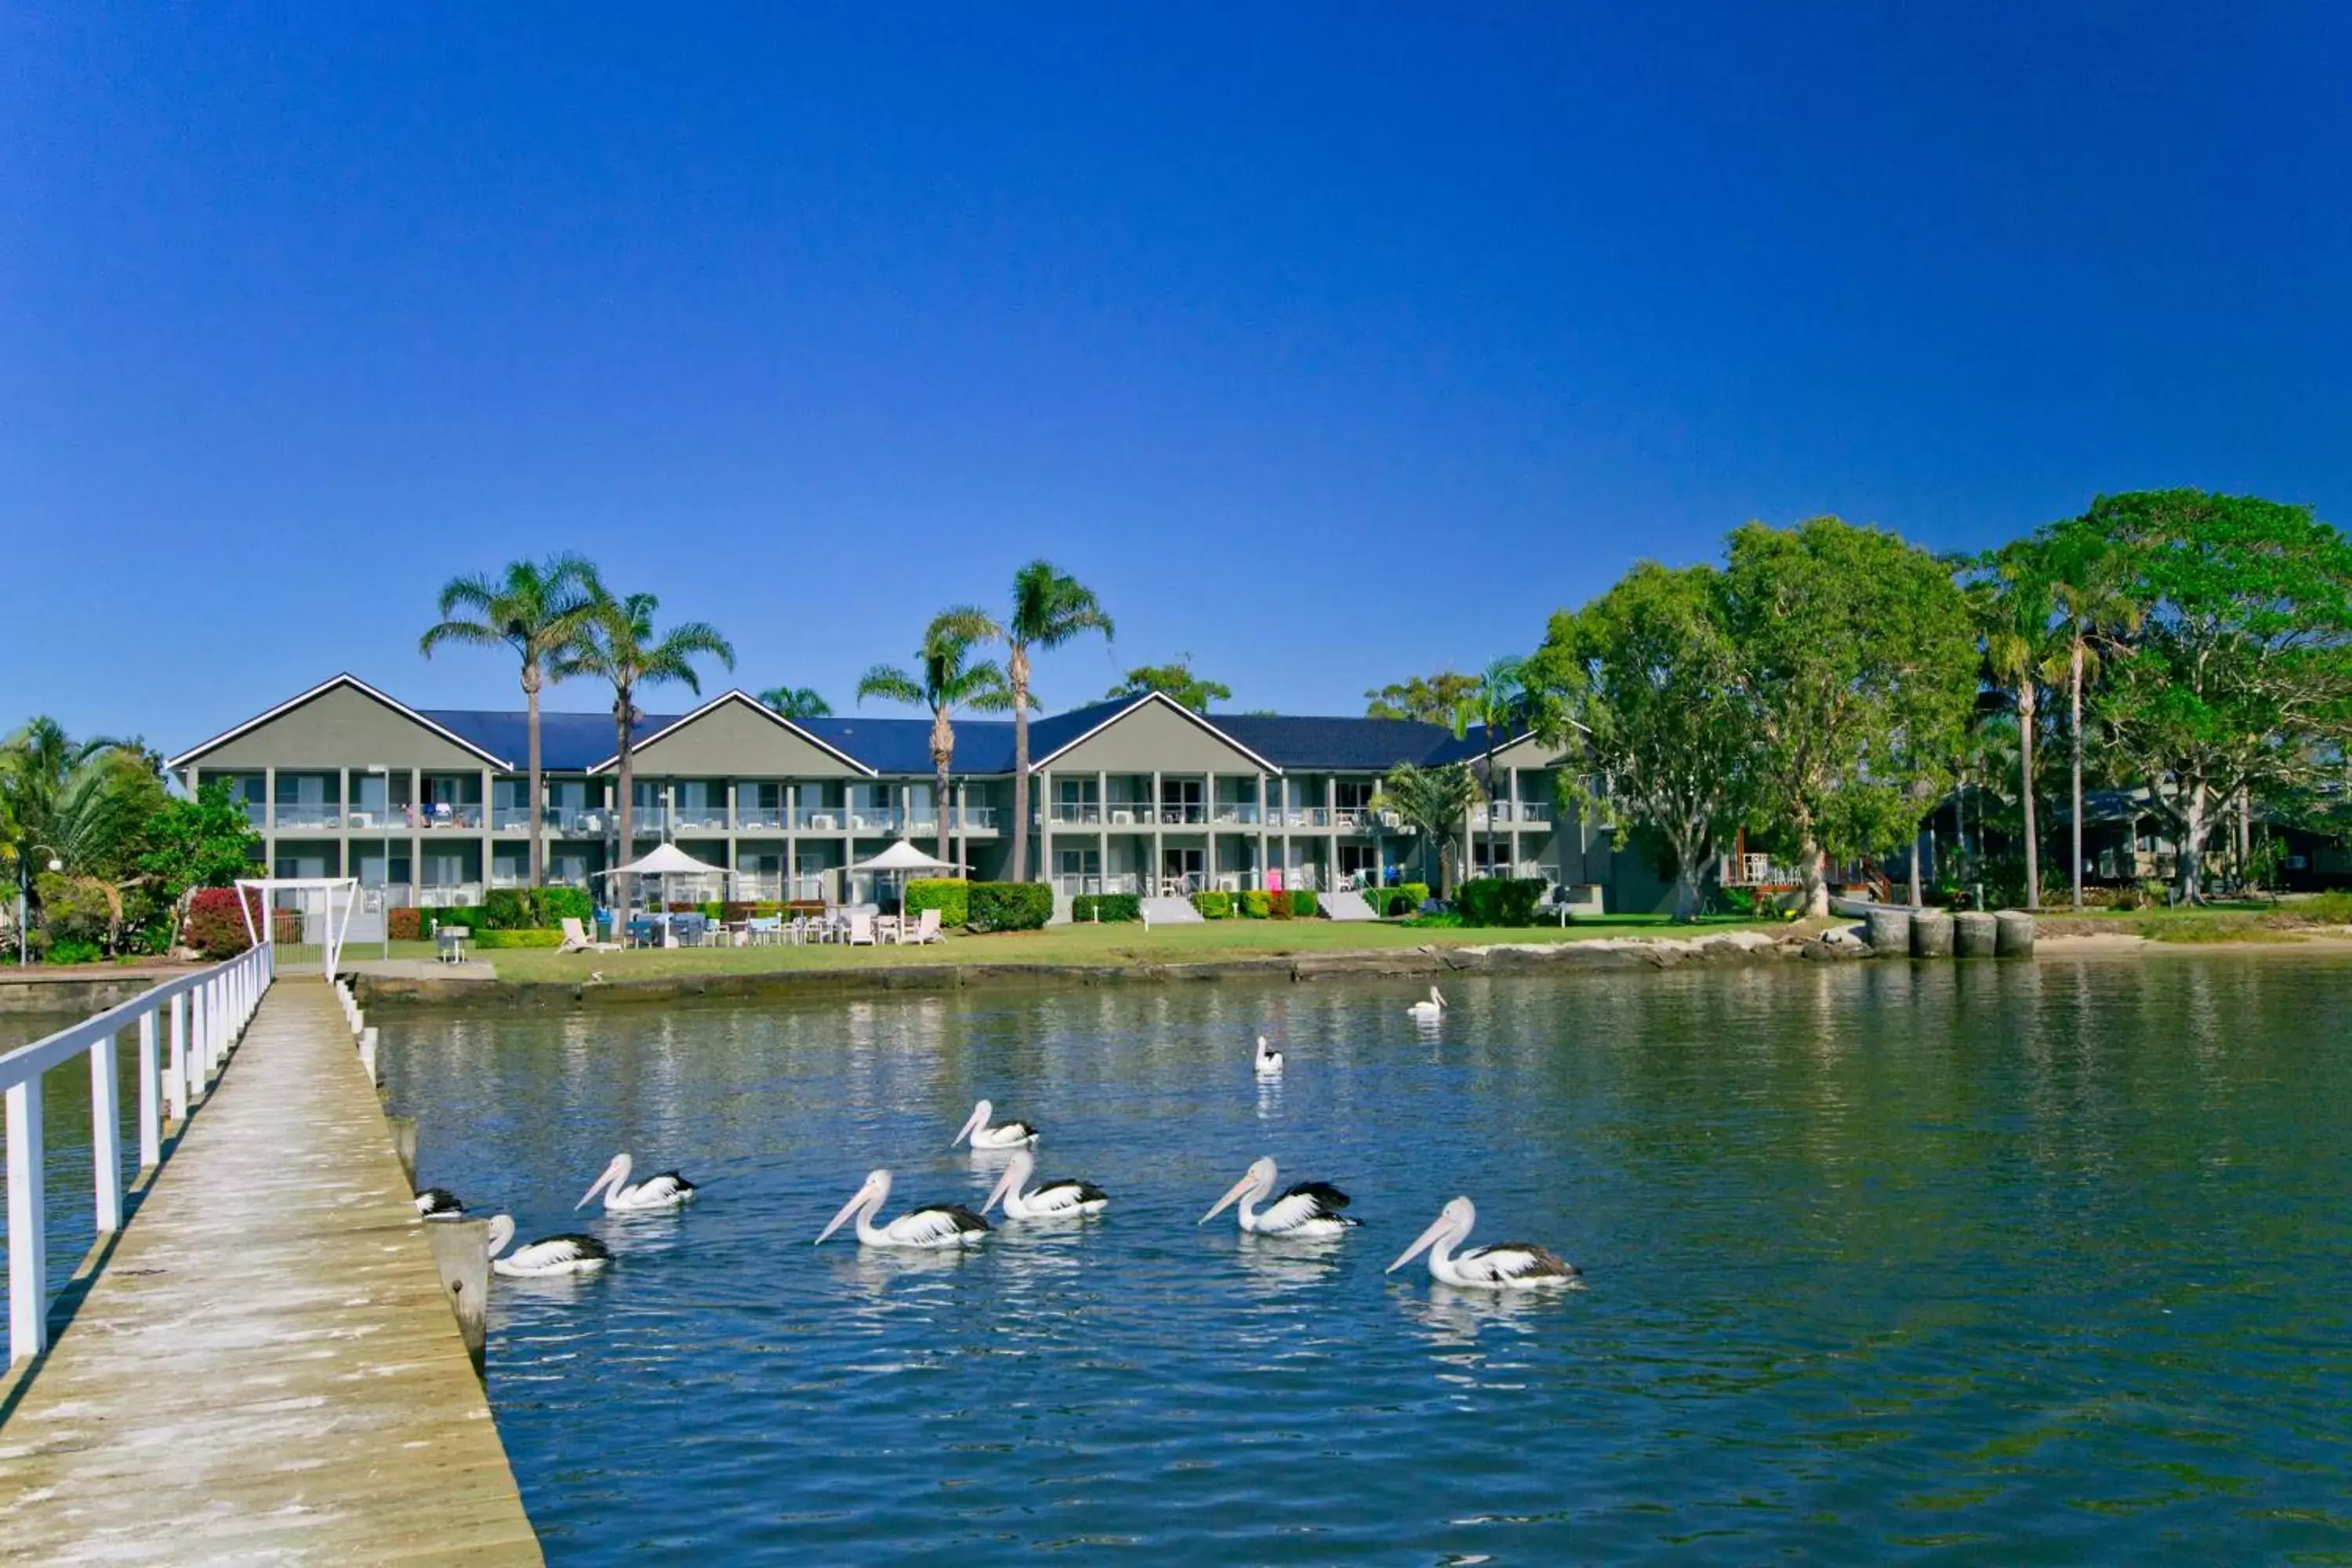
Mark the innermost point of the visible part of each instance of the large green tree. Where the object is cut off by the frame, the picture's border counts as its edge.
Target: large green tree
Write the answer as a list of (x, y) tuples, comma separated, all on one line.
[(85, 805), (616, 643), (534, 610), (1425, 698), (1858, 670), (1175, 679), (2240, 680), (945, 678), (1050, 607), (1647, 703), (1435, 803)]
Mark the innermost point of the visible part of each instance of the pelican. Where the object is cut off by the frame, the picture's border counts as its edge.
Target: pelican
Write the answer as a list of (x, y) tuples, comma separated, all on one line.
[(931, 1225), (1269, 1061), (439, 1203), (1012, 1135), (1428, 1012), (1055, 1200), (667, 1191), (550, 1255), (1310, 1208), (1505, 1265)]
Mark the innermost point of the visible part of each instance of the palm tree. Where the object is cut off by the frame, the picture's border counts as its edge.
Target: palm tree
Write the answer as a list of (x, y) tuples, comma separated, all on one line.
[(1500, 698), (1436, 801), (2097, 609), (1049, 608), (2013, 605), (535, 609), (943, 679), (797, 703), (615, 644)]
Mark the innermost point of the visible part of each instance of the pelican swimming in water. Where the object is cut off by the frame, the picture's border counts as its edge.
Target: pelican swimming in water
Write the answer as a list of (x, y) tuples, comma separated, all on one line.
[(1505, 1266), (1053, 1200), (1428, 1012), (1012, 1135), (439, 1203), (932, 1226), (1310, 1208), (667, 1191), (1269, 1061), (550, 1255)]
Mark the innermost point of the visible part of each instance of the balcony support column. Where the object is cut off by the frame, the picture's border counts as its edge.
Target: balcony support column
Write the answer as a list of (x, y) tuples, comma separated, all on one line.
[(1260, 866), (415, 834), (962, 829), (1045, 826), (490, 816)]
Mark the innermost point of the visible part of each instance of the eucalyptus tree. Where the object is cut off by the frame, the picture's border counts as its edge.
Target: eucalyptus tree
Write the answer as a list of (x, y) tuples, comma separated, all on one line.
[(615, 643), (1175, 680), (2240, 680), (1050, 607), (1501, 697), (1644, 692), (945, 678), (1857, 670), (1434, 802), (797, 703), (1425, 698), (2012, 600), (535, 609), (2097, 615)]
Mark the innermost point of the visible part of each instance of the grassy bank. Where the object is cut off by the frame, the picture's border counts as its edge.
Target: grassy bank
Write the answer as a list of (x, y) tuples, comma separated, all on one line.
[(1107, 946), (2289, 920)]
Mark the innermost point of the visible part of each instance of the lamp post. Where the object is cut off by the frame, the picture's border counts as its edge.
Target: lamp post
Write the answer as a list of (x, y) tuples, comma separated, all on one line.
[(383, 878), (24, 887)]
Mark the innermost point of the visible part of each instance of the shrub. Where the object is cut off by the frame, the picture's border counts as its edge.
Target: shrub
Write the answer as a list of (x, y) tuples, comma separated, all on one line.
[(1253, 905), (2333, 908), (74, 909), (1404, 899), (494, 938), (404, 925), (506, 909), (1304, 903), (556, 905), (1214, 905), (1009, 906), (1277, 906), (948, 895), (73, 950), (1499, 900), (454, 915), (1111, 909), (215, 926)]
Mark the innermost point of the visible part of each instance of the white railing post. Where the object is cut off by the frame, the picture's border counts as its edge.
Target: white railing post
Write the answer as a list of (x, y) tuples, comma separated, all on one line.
[(150, 1129), (196, 1038), (105, 1136), (175, 1087), (28, 1259)]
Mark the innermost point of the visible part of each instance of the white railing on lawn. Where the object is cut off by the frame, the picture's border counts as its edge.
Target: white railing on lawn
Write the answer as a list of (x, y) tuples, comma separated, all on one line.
[(198, 1019)]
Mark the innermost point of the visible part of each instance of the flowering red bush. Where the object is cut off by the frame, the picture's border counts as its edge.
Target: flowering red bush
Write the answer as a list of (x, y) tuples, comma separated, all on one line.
[(216, 926), (407, 925)]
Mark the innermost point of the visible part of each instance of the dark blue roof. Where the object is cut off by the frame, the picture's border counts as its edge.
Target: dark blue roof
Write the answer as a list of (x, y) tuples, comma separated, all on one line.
[(574, 742)]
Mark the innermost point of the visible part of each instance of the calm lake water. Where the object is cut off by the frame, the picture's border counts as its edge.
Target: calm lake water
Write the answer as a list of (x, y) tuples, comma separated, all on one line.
[(2025, 1263)]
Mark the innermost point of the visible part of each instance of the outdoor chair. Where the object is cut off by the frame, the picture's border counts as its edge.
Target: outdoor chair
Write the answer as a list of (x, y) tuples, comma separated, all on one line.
[(861, 929), (927, 928), (577, 940)]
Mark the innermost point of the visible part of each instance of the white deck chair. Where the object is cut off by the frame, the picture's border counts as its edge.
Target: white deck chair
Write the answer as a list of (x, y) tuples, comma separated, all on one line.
[(861, 929)]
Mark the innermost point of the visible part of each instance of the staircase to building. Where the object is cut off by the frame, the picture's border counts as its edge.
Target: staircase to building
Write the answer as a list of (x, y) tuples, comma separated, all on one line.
[(1342, 905), (1166, 911)]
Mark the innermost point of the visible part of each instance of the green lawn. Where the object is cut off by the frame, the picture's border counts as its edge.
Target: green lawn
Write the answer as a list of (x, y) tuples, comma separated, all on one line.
[(1109, 946)]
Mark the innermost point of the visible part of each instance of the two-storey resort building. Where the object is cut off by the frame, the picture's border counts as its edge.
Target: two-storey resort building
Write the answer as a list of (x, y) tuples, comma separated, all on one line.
[(1139, 794)]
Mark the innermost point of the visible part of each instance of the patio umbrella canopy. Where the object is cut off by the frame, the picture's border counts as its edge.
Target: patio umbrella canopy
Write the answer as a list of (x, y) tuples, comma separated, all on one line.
[(668, 861), (903, 857)]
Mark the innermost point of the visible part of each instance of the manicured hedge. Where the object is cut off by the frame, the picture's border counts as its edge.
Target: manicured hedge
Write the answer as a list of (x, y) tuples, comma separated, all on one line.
[(215, 925), (1304, 903), (1499, 901), (558, 904), (1214, 905), (1255, 905), (506, 909), (1009, 906), (487, 938), (1404, 899), (467, 915), (1111, 908), (951, 896)]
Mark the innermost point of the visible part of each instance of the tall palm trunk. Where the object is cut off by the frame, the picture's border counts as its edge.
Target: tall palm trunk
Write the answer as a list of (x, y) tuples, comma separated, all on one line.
[(626, 806), (2074, 741), (2025, 792), (530, 679), (943, 756), (1016, 675)]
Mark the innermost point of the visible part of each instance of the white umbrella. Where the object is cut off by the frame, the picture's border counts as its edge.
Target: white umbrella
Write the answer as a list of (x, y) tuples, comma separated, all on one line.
[(903, 858), (666, 861)]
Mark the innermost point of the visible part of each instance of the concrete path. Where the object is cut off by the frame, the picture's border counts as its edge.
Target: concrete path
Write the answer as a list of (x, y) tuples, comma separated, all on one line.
[(265, 1369)]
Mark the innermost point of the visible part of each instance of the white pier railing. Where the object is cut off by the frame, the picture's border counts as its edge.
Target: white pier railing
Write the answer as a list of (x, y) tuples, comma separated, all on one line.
[(186, 1027)]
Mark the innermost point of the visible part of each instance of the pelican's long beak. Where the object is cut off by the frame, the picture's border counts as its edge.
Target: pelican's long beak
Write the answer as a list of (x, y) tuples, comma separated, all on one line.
[(851, 1207), (972, 1123), (1421, 1245), (1004, 1183), (601, 1182), (1240, 1187)]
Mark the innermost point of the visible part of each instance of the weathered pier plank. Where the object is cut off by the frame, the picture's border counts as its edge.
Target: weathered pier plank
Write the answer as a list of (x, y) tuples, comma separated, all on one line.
[(267, 1369)]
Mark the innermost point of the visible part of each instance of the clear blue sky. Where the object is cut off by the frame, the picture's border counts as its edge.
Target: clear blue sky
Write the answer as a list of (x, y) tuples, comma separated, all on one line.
[(1327, 344)]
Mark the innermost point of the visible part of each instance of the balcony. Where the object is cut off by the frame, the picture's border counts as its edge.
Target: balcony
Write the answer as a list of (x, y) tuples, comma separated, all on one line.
[(294, 816), (454, 818), (977, 819), (1506, 814), (449, 894), (762, 818), (700, 818), (1235, 813), (1075, 813), (1120, 882), (817, 818)]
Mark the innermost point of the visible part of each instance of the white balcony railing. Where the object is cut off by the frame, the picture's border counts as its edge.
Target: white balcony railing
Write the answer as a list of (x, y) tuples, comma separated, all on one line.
[(761, 818), (449, 894), (1075, 813), (1241, 812), (706, 818), (1116, 882), (978, 818)]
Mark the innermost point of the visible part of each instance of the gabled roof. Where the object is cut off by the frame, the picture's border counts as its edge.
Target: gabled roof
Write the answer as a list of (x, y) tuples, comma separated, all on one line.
[(567, 742), (1047, 737), (638, 742), (352, 682)]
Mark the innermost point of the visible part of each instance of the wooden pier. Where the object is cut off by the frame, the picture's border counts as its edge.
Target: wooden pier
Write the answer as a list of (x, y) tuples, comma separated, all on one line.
[(267, 1367)]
